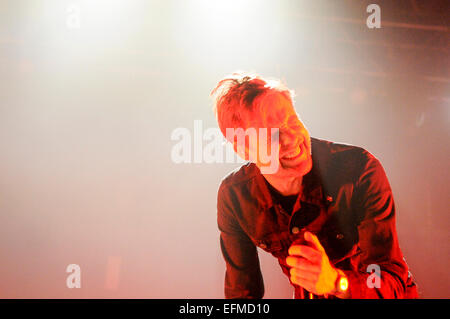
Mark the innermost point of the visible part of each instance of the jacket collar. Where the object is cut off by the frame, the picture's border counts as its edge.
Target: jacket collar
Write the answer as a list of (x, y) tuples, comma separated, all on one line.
[(313, 191)]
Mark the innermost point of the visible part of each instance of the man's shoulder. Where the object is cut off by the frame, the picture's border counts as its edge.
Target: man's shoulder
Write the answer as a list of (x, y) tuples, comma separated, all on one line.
[(240, 175), (343, 162), (336, 151)]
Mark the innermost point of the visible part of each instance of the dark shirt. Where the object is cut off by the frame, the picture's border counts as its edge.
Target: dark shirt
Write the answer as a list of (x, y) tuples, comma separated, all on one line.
[(286, 202), (346, 201)]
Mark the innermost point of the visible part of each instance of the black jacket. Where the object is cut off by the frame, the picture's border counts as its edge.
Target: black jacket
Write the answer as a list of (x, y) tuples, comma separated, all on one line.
[(346, 200)]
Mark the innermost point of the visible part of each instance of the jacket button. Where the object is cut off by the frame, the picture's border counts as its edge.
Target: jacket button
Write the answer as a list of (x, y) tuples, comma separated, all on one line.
[(263, 246), (295, 230), (339, 236)]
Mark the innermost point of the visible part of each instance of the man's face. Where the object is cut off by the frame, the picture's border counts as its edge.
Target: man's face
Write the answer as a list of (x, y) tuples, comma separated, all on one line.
[(294, 143)]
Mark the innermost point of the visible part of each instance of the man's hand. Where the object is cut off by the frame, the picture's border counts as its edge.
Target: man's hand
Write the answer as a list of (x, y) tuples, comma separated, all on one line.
[(311, 268)]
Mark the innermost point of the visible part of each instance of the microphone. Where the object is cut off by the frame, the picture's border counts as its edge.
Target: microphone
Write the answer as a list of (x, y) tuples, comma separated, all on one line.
[(301, 219)]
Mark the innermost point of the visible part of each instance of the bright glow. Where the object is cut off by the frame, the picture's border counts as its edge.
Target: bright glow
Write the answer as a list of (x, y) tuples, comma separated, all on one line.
[(343, 284), (216, 28)]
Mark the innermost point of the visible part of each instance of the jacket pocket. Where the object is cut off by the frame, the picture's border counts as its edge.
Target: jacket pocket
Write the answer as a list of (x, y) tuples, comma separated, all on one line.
[(274, 243), (338, 242)]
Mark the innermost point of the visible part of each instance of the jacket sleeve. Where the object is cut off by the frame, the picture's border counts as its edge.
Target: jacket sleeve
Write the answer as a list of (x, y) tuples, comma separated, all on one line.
[(375, 210), (243, 277)]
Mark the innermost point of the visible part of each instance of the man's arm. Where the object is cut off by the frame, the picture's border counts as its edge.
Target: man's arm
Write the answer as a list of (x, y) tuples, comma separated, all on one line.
[(374, 206), (243, 277)]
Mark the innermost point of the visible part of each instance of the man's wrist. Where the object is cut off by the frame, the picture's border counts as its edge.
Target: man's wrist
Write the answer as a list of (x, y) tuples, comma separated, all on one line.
[(341, 289)]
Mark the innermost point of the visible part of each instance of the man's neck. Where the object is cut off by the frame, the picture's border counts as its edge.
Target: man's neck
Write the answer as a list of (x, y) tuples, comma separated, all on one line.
[(285, 185)]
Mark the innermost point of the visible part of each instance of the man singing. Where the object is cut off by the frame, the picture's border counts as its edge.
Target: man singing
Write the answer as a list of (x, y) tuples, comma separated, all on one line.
[(326, 212)]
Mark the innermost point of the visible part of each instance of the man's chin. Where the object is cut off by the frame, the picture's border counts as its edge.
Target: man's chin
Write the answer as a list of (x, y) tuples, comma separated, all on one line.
[(287, 170), (299, 169)]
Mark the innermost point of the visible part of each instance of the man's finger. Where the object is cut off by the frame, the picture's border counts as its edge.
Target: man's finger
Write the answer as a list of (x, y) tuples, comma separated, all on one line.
[(311, 238), (311, 276), (307, 252), (307, 284), (302, 264)]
